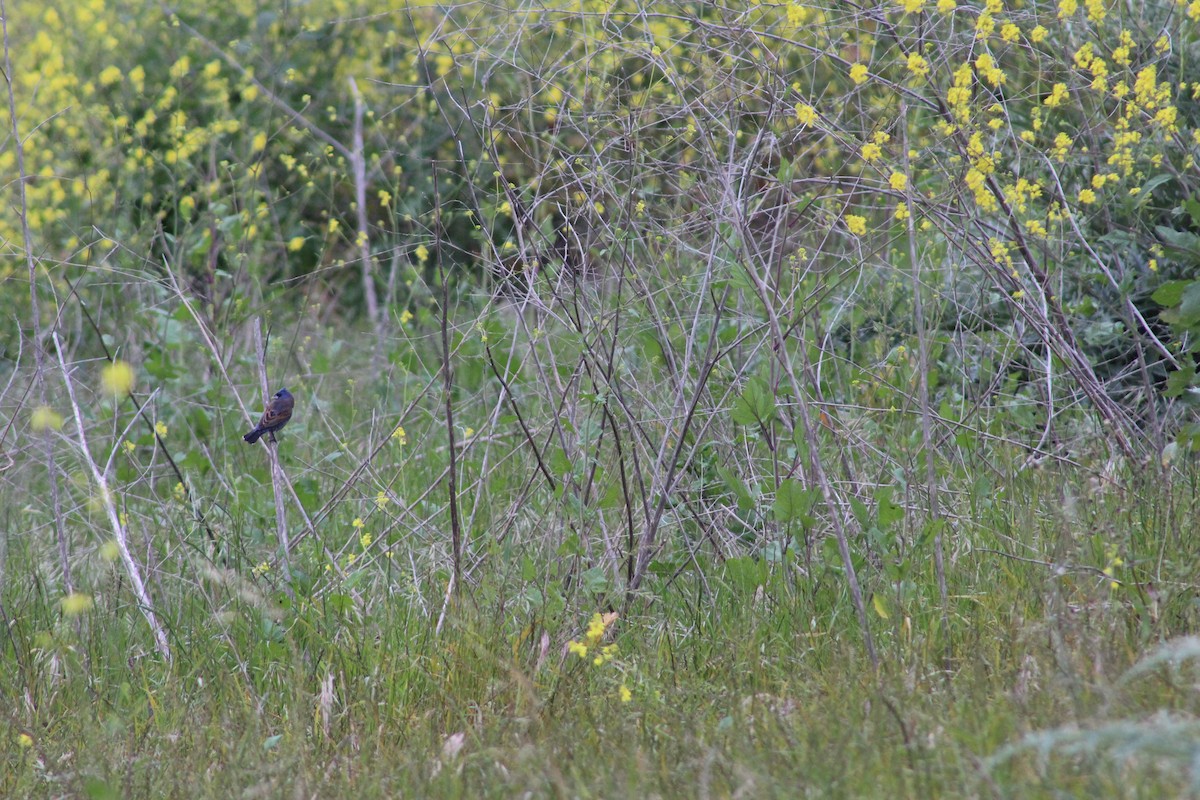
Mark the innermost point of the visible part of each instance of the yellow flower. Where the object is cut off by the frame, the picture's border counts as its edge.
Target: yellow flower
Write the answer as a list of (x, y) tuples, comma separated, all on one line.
[(1087, 196), (625, 694), (917, 65), (334, 225), (76, 603), (365, 540), (597, 625), (806, 114), (117, 378), (295, 244), (422, 253), (898, 181), (856, 225), (405, 317), (1057, 95), (44, 417), (160, 428), (109, 75), (578, 648), (358, 523), (381, 499), (399, 436), (946, 6), (858, 73), (871, 152), (1038, 34), (911, 6)]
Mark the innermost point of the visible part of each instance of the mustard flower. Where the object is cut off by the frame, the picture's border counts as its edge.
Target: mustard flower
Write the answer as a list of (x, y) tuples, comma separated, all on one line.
[(917, 65), (1057, 95), (117, 378), (76, 603), (45, 418)]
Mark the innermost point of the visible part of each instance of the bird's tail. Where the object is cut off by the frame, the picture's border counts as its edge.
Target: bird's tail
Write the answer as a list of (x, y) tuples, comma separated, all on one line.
[(253, 436)]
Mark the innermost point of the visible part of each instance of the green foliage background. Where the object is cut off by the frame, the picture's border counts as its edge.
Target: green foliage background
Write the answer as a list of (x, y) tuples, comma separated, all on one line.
[(692, 398)]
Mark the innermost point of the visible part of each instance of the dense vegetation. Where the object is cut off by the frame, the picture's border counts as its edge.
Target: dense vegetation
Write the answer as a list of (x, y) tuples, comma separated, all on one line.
[(758, 399)]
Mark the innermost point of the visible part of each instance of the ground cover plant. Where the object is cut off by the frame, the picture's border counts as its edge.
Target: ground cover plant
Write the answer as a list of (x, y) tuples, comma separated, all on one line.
[(750, 399)]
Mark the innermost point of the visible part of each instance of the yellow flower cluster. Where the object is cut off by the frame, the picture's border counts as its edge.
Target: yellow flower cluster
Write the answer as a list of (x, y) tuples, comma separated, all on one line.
[(596, 629)]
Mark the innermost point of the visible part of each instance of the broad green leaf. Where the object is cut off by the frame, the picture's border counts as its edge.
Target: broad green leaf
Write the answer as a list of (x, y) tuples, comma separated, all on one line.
[(755, 405), (793, 501)]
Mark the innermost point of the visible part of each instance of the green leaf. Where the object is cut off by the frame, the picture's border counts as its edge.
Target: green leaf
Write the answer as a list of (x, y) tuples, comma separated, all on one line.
[(755, 405), (1183, 241), (1192, 205), (1170, 293), (1189, 305), (1180, 380), (745, 573), (745, 500), (886, 512), (793, 501), (595, 580), (1155, 182)]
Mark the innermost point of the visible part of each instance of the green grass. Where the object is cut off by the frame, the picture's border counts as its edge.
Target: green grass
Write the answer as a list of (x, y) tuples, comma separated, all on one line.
[(765, 693), (668, 345)]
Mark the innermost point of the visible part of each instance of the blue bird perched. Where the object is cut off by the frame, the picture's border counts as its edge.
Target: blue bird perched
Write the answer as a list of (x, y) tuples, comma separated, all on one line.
[(278, 414)]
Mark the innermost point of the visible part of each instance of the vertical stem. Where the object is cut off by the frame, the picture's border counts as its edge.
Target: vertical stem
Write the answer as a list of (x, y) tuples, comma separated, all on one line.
[(448, 388), (277, 478), (931, 479), (114, 519), (358, 164)]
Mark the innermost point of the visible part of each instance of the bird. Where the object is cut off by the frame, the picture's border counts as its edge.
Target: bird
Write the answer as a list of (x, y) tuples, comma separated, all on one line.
[(278, 414)]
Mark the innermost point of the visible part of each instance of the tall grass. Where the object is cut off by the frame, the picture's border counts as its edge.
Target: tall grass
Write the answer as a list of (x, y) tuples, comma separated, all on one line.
[(690, 401)]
